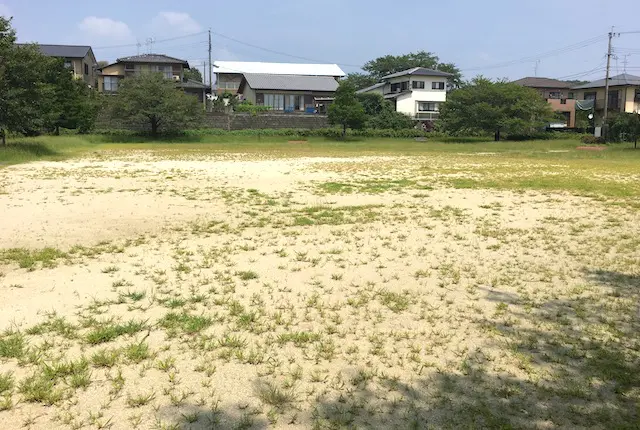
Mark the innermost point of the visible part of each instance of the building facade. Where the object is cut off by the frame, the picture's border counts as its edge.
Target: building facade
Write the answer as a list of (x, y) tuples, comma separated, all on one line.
[(230, 74), (78, 58), (558, 94), (417, 92), (109, 76), (624, 95)]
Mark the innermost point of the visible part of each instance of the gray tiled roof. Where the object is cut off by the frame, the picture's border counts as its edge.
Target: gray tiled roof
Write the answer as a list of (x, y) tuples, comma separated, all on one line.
[(190, 83), (261, 81), (371, 88), (534, 82), (619, 80), (421, 71), (66, 51), (152, 58)]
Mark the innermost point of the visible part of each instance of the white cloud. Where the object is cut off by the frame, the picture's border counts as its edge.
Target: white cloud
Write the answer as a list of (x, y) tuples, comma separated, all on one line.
[(106, 30), (176, 22), (4, 10)]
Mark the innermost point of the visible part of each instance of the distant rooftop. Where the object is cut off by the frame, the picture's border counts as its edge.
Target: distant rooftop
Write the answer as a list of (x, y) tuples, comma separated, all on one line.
[(153, 58), (264, 81), (535, 82), (371, 88), (65, 51), (278, 68), (421, 71), (618, 80)]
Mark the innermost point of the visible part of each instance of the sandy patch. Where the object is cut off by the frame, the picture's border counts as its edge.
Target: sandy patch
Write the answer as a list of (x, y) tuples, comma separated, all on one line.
[(309, 293)]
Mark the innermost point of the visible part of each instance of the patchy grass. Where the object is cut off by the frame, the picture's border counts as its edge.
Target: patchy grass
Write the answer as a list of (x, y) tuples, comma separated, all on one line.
[(30, 259), (108, 331)]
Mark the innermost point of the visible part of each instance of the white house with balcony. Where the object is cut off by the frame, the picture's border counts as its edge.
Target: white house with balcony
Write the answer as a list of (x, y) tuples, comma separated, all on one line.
[(416, 92)]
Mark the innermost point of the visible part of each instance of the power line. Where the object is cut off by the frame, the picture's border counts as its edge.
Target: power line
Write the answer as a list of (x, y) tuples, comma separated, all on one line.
[(155, 41), (569, 48), (277, 52)]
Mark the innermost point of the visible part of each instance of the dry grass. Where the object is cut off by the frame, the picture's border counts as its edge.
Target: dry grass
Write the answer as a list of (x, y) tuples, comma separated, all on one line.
[(439, 290)]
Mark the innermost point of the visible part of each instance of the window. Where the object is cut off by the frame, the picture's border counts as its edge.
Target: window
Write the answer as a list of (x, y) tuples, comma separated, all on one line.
[(571, 95), (86, 69), (637, 98), (111, 84), (129, 67), (400, 86), (276, 101), (555, 95), (437, 85), (563, 101), (165, 70), (418, 85), (590, 96), (427, 107), (67, 64)]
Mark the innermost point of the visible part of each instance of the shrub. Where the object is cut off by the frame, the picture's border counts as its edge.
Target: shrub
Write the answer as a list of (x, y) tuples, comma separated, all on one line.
[(591, 139)]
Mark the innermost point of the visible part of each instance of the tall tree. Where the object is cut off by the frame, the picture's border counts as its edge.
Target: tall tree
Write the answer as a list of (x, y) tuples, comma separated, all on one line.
[(346, 110), (102, 63), (70, 103), (193, 74), (389, 64), (155, 104), (494, 107), (625, 126), (360, 80), (22, 91)]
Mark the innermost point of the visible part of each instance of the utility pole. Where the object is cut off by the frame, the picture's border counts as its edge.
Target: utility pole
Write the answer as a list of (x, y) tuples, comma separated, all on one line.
[(606, 88), (535, 72), (210, 66)]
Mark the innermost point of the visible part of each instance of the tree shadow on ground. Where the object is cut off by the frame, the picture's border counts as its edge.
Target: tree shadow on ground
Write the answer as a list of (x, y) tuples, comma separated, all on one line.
[(578, 366)]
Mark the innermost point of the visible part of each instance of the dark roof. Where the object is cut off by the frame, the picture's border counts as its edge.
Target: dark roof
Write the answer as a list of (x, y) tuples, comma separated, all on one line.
[(263, 81), (371, 88), (152, 58), (192, 84), (395, 95), (616, 81), (66, 51), (421, 71), (542, 83)]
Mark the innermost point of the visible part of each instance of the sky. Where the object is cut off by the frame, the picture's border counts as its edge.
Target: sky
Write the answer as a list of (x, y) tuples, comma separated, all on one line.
[(495, 38)]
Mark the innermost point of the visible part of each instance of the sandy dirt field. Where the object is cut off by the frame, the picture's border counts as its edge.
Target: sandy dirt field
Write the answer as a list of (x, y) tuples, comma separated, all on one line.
[(150, 290)]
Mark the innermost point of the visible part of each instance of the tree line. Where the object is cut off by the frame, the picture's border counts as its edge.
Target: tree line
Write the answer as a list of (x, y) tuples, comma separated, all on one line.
[(38, 92)]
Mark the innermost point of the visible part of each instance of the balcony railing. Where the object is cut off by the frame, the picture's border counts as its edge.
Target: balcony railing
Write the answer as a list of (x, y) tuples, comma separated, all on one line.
[(428, 116)]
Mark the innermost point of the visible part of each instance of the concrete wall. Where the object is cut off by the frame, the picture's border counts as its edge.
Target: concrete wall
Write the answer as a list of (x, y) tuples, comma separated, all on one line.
[(239, 121)]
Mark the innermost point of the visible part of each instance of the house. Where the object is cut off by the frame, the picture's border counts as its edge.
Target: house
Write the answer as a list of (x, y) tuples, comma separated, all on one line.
[(558, 94), (624, 95), (173, 68), (230, 74), (288, 93), (416, 92), (78, 58)]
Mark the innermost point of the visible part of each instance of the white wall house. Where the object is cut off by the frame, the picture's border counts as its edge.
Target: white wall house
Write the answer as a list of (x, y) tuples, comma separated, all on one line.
[(416, 92)]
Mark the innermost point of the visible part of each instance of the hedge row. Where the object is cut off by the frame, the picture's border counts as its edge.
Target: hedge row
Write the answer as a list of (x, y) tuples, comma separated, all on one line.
[(336, 133)]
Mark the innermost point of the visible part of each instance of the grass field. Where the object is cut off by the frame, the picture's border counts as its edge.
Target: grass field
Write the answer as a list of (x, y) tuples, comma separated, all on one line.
[(369, 284)]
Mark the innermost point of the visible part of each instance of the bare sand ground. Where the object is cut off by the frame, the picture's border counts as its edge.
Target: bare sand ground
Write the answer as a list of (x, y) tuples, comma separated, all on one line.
[(199, 291)]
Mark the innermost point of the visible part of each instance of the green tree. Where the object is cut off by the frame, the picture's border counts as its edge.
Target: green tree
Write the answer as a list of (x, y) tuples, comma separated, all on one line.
[(360, 80), (193, 74), (155, 104), (373, 103), (625, 127), (346, 110), (494, 107), (388, 64), (69, 102), (381, 113), (22, 91)]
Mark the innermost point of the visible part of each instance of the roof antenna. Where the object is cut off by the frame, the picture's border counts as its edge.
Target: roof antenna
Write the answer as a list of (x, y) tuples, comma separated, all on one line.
[(535, 68), (138, 45)]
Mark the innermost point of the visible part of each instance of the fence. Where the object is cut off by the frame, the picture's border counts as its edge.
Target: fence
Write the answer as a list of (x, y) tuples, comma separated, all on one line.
[(237, 121)]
